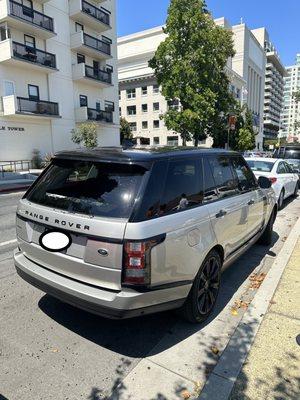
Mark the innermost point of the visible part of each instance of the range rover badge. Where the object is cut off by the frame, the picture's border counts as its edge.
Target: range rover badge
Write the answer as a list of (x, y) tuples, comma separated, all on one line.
[(103, 252)]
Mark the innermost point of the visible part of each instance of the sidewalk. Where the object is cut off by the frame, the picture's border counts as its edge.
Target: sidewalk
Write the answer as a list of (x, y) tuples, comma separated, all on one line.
[(272, 369)]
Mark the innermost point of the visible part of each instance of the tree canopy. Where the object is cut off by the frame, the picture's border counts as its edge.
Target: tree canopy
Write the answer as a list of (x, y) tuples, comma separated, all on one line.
[(190, 66), (85, 134)]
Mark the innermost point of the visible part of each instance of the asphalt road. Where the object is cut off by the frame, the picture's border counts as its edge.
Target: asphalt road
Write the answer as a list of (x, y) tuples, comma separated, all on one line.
[(50, 350)]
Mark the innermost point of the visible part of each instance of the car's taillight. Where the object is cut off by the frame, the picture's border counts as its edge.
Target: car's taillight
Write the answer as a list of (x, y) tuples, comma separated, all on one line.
[(273, 180), (137, 261)]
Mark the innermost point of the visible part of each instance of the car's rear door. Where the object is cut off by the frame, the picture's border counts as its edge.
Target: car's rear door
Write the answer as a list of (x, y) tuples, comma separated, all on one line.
[(284, 178)]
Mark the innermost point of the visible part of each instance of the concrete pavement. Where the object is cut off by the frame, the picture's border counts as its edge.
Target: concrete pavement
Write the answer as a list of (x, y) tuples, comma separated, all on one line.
[(49, 350)]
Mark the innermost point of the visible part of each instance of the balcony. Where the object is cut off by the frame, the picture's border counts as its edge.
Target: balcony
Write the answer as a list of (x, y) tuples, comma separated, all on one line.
[(89, 45), (89, 15), (17, 54), (26, 19), (91, 76), (20, 106), (83, 114)]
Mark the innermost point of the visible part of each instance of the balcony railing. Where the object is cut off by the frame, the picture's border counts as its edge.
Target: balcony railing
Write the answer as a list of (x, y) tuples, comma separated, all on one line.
[(100, 115), (28, 14), (27, 53), (98, 74), (95, 12), (96, 44), (38, 107)]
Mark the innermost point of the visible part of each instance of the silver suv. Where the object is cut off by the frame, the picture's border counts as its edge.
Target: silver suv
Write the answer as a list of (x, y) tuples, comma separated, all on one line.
[(123, 233)]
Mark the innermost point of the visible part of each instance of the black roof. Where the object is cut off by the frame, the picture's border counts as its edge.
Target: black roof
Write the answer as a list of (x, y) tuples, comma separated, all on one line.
[(136, 155)]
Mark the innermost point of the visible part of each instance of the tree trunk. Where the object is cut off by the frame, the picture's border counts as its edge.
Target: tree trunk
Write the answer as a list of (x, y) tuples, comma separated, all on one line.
[(196, 143)]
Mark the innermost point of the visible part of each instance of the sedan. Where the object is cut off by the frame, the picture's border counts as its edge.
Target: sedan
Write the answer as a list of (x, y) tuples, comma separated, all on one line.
[(284, 181)]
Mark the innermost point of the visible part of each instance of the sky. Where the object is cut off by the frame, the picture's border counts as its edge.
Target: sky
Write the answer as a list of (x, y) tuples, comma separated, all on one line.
[(281, 18)]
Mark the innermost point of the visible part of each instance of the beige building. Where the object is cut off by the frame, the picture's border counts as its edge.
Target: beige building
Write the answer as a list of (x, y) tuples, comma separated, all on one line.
[(275, 73), (141, 102), (58, 68), (291, 109)]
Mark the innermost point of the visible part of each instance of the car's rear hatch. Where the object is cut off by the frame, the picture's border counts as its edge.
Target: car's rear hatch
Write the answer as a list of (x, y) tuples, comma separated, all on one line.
[(91, 202)]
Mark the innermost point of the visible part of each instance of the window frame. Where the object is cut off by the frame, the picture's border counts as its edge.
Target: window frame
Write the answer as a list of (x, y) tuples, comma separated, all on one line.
[(33, 46), (237, 157), (81, 97), (30, 97)]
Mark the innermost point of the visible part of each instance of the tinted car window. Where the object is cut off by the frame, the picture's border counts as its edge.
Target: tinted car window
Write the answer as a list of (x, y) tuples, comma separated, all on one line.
[(183, 187), (210, 190), (244, 174), (226, 182), (281, 168), (288, 168), (91, 188)]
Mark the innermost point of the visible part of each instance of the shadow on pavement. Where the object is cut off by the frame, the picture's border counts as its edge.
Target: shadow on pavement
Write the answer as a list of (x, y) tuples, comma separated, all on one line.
[(137, 337)]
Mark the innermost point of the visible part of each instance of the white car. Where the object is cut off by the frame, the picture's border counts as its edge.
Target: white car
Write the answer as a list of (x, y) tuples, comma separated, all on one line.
[(284, 181)]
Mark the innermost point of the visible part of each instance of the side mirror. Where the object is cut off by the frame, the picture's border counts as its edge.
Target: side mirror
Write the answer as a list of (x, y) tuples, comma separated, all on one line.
[(264, 183)]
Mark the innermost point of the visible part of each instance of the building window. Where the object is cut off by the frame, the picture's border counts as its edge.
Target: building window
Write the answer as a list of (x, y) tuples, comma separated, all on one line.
[(29, 41), (79, 27), (156, 140), (156, 124), (120, 111), (173, 104), (144, 108), (80, 59), (144, 91), (83, 101), (9, 88), (145, 125), (119, 94), (172, 140), (109, 106), (131, 110), (155, 106), (131, 93), (33, 92), (155, 89), (145, 141), (132, 126)]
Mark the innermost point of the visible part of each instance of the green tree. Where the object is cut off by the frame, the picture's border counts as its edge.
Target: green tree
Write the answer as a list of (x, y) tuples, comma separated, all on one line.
[(296, 96), (86, 135), (190, 67), (246, 134), (125, 132)]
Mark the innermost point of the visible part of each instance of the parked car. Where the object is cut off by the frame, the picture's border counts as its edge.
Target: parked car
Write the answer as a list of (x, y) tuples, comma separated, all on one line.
[(285, 181), (124, 233), (289, 151)]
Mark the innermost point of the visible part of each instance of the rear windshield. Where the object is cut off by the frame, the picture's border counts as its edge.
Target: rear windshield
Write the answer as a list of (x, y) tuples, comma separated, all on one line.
[(91, 188), (261, 166)]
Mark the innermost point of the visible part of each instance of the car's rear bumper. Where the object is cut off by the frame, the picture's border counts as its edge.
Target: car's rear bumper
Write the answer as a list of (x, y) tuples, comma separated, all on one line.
[(126, 303)]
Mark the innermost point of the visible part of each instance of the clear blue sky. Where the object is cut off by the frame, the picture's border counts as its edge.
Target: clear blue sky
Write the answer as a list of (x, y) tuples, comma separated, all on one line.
[(281, 18)]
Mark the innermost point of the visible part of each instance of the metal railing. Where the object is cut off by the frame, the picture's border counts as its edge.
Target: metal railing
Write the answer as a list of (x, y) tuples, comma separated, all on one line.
[(28, 14), (14, 166), (95, 12), (98, 74), (99, 115), (28, 53), (96, 44), (38, 107)]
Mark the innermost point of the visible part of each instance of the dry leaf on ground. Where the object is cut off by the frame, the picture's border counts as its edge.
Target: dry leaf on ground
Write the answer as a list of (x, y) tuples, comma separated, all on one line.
[(256, 280), (186, 394), (215, 350)]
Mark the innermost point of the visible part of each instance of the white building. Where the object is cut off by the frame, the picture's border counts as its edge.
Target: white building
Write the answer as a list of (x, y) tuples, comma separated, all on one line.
[(58, 68), (275, 72), (141, 102), (291, 109)]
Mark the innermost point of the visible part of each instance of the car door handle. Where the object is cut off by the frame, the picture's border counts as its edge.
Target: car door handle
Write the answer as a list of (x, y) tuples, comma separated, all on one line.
[(251, 202), (221, 214)]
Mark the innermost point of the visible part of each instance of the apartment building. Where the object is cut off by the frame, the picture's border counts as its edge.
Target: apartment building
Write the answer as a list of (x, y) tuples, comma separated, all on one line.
[(58, 68), (141, 102), (291, 109), (275, 73)]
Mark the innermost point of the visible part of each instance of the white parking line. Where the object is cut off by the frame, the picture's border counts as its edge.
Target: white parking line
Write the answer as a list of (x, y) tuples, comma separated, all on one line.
[(8, 242)]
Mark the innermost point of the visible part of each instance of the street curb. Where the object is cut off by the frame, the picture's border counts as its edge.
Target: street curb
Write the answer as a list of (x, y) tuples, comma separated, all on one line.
[(14, 188), (222, 379)]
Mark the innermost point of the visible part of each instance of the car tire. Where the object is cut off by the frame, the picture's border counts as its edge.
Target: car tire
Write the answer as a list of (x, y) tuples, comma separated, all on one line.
[(266, 237), (295, 194), (203, 295), (280, 200)]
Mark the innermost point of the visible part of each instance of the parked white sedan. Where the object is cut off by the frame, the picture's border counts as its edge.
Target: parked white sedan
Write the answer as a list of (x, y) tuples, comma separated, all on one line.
[(284, 181)]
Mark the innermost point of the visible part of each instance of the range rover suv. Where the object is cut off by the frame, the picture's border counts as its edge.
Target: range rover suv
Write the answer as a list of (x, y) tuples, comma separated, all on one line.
[(123, 233)]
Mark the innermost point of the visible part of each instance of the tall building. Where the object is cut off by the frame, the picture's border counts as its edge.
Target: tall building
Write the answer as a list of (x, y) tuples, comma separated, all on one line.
[(275, 73), (250, 62), (291, 109), (58, 68), (141, 102)]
